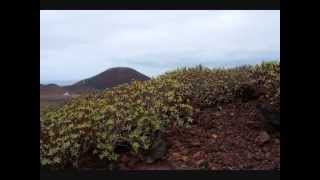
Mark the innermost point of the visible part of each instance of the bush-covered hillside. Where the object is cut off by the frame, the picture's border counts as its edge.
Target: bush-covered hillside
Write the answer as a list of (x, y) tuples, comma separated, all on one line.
[(132, 115)]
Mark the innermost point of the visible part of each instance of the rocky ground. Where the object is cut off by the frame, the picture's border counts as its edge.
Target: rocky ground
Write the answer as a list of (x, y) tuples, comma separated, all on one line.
[(234, 137)]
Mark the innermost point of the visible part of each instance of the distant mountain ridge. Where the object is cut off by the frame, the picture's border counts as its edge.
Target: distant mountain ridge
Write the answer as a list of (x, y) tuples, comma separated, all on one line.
[(51, 89), (106, 79), (110, 78), (59, 82)]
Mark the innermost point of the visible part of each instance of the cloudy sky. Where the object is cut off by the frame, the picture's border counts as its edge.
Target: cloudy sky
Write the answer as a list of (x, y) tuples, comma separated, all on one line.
[(79, 44)]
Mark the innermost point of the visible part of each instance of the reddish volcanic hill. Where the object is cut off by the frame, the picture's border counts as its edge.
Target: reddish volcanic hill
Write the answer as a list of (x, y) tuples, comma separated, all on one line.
[(51, 89), (107, 79)]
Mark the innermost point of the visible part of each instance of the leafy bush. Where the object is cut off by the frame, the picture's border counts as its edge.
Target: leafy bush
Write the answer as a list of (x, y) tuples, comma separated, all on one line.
[(97, 122), (267, 75)]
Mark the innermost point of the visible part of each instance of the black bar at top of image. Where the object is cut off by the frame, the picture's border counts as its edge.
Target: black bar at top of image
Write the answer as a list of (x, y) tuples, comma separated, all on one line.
[(159, 4)]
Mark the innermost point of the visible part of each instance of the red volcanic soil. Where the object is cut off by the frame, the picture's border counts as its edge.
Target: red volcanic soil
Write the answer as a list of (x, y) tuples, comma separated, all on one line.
[(234, 138)]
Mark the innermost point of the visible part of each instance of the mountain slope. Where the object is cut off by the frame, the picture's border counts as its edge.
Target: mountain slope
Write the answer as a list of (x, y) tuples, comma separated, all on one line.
[(51, 89), (107, 79)]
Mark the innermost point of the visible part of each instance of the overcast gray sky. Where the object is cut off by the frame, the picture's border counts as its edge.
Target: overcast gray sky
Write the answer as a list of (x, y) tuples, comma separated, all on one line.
[(79, 44)]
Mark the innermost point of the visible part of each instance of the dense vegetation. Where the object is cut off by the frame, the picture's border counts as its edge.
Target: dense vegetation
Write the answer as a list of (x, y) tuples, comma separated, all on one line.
[(132, 114)]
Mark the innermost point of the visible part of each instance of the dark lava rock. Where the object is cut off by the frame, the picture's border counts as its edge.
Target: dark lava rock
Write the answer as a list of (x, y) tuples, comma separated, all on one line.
[(249, 155), (122, 147), (157, 152), (158, 149), (249, 91), (202, 163), (271, 116), (277, 166), (262, 138)]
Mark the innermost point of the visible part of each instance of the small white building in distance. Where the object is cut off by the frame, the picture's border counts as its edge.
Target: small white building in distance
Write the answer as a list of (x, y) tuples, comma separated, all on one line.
[(66, 94)]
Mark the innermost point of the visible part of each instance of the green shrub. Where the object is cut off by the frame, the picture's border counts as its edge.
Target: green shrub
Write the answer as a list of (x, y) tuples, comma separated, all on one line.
[(97, 122)]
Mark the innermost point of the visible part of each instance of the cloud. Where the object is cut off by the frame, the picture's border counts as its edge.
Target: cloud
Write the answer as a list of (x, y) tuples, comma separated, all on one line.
[(79, 44)]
